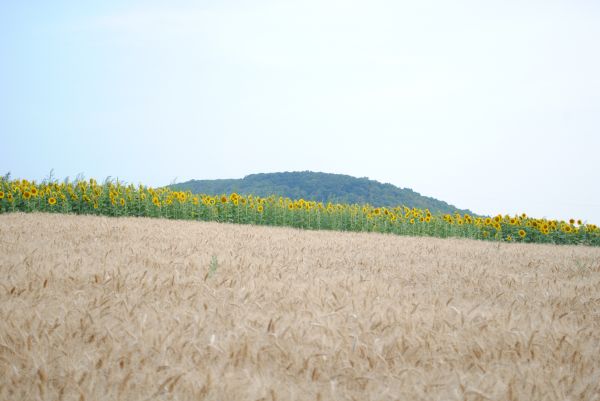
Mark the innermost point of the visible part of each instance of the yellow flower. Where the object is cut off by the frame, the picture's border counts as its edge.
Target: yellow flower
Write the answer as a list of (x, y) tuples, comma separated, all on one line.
[(52, 201), (34, 191), (122, 201), (26, 195), (260, 208), (412, 221), (509, 238), (223, 199), (522, 233), (95, 205), (1, 194)]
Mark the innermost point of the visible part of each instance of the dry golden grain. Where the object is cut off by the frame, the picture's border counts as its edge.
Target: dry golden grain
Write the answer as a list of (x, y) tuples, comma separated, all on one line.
[(102, 308)]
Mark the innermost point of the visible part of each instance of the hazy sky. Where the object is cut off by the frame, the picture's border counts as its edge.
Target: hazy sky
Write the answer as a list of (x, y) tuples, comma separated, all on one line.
[(492, 106)]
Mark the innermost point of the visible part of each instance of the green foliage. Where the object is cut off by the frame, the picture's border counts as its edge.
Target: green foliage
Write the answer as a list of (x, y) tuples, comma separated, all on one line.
[(118, 199), (320, 187)]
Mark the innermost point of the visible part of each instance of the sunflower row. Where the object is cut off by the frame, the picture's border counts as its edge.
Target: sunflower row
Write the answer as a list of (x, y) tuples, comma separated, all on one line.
[(118, 199)]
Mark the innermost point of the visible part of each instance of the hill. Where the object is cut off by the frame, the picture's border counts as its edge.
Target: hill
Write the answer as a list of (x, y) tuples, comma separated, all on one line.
[(322, 187)]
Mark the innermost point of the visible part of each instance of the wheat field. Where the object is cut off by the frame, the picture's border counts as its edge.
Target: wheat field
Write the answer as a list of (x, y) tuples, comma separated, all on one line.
[(97, 308)]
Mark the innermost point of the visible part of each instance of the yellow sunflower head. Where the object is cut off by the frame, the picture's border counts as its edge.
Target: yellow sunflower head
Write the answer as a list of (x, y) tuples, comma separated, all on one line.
[(522, 233), (52, 201)]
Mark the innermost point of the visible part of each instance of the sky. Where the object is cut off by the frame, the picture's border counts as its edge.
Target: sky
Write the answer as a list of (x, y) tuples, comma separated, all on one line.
[(490, 106)]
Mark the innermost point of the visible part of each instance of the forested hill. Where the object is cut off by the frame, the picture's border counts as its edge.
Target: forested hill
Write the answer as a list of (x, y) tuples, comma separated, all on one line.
[(320, 187)]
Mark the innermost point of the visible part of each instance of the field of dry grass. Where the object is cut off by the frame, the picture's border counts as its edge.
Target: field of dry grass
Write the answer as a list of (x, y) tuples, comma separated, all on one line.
[(97, 308)]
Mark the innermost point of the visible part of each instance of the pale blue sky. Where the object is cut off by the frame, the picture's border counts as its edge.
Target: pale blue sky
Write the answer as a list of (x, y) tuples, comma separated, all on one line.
[(492, 106)]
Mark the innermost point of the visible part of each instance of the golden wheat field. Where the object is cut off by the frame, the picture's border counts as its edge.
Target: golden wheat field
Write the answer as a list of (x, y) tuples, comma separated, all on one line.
[(97, 308)]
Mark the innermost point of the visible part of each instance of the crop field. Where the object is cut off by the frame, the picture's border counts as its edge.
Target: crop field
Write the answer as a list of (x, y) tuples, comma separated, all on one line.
[(116, 199), (105, 308)]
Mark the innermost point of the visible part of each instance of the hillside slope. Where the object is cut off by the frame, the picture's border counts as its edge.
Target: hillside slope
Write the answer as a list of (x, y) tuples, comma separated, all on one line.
[(322, 187)]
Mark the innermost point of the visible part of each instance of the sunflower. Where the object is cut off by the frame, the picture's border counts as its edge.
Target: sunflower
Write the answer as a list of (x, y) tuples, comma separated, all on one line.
[(34, 191), (508, 238), (52, 201), (223, 199), (260, 208), (291, 206), (522, 233), (412, 221), (26, 195), (1, 194), (9, 197), (572, 221), (95, 205)]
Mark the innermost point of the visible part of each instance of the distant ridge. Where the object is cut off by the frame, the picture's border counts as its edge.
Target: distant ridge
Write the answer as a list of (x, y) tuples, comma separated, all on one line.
[(322, 187)]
